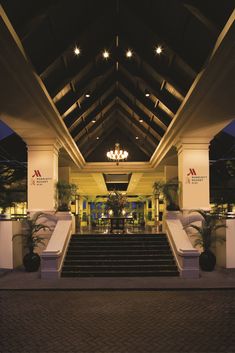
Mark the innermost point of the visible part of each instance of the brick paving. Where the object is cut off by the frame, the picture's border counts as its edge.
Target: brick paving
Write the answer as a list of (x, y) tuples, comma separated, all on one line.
[(117, 321)]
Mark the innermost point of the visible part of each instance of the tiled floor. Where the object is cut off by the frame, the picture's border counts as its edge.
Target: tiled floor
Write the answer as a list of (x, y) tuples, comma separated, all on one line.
[(19, 279), (117, 321), (117, 315)]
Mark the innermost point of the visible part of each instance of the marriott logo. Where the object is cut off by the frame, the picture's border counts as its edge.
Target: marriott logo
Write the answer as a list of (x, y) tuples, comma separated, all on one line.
[(191, 172), (36, 173)]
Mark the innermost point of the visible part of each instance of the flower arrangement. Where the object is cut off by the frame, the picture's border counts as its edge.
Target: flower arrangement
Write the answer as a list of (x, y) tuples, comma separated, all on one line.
[(116, 202)]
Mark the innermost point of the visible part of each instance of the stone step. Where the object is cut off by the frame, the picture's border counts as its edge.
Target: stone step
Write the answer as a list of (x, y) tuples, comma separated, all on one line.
[(79, 252), (119, 256), (122, 262), (118, 237), (114, 257), (119, 268), (99, 247), (121, 274), (119, 241)]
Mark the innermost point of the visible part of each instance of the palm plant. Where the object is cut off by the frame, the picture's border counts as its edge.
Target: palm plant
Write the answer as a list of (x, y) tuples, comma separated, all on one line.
[(32, 227), (31, 240), (169, 190), (158, 187), (65, 193), (206, 235), (12, 185)]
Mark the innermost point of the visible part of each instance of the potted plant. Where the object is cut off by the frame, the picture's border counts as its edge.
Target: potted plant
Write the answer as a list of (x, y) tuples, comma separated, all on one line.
[(206, 235), (66, 192), (84, 219), (31, 227), (169, 190), (116, 202)]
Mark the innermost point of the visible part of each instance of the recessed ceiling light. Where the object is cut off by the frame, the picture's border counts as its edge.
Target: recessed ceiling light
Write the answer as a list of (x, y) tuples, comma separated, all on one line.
[(158, 50), (87, 95), (141, 120), (94, 121), (77, 51), (146, 93), (105, 54), (129, 53), (137, 138), (97, 138)]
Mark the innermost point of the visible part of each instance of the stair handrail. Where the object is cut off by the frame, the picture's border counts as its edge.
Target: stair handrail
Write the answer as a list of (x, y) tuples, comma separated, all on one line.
[(53, 256), (186, 256)]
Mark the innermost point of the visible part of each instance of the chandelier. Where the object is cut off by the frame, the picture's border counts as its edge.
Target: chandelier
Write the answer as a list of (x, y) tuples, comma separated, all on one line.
[(117, 155)]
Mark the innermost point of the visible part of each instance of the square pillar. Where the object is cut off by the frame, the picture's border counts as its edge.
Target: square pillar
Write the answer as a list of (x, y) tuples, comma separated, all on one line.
[(170, 172), (64, 174), (42, 174), (193, 171)]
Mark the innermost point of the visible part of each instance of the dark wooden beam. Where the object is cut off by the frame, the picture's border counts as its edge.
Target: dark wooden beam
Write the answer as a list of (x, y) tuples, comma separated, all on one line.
[(139, 73), (84, 85), (80, 31), (90, 148), (141, 144), (149, 25), (163, 118), (138, 125), (88, 103), (59, 78), (139, 112), (143, 140), (96, 125), (159, 67), (93, 114), (203, 19)]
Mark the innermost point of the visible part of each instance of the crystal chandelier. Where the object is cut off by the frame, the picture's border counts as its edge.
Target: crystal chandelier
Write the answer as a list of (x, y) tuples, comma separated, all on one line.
[(118, 154)]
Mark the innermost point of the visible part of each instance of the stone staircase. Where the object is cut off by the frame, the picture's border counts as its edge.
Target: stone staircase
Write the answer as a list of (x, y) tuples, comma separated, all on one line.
[(116, 255)]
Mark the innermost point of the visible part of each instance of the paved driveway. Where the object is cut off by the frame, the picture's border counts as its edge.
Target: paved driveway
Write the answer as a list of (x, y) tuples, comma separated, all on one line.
[(117, 321)]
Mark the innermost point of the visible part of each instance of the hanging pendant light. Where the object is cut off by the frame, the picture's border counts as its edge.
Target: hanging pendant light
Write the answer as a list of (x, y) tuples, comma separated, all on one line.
[(117, 154)]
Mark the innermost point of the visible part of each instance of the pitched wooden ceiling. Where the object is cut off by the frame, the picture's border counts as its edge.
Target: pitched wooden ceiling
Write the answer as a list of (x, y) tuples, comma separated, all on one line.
[(117, 109)]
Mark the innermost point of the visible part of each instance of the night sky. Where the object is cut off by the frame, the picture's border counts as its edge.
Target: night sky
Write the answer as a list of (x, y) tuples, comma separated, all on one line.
[(4, 130), (230, 129)]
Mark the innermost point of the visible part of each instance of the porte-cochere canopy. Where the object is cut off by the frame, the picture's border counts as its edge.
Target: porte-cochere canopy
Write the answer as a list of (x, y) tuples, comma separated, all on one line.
[(119, 107)]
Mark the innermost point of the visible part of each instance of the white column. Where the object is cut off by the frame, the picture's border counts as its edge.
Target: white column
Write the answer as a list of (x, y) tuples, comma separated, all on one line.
[(193, 171), (42, 174)]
